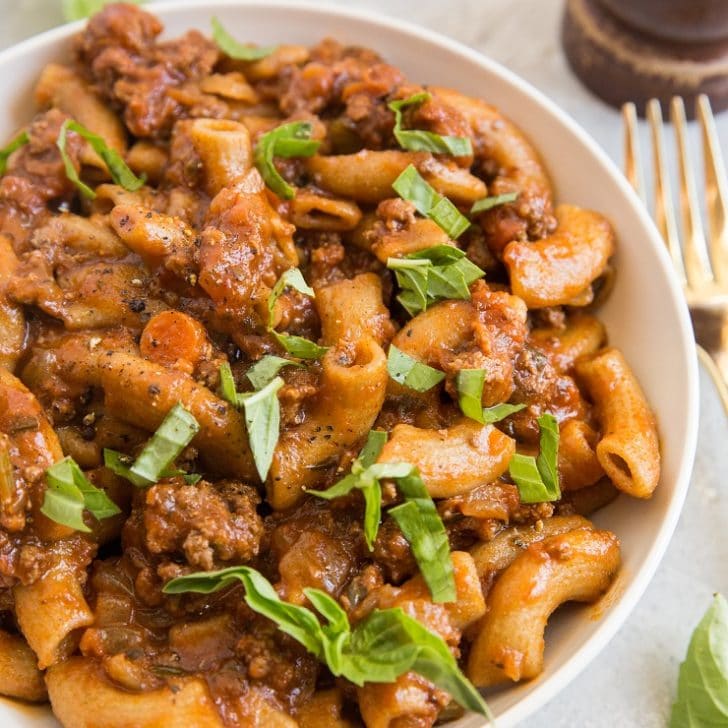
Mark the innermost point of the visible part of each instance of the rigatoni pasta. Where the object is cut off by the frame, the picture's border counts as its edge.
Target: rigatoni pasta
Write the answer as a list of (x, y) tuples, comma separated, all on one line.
[(302, 390)]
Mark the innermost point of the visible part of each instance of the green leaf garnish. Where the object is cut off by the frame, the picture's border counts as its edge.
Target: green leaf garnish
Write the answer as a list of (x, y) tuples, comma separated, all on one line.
[(297, 346), (262, 415), (381, 647), (469, 384), (79, 9), (411, 373), (172, 436), (538, 478), (12, 146), (263, 421), (288, 140), (239, 51), (412, 187), (423, 528), (69, 492), (702, 689), (266, 369), (434, 274), (120, 172), (416, 140), (488, 203), (417, 517)]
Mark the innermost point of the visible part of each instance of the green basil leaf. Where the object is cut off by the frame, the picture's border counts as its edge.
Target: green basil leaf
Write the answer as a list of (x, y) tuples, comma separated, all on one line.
[(524, 473), (172, 436), (383, 646), (376, 440), (702, 689), (469, 384), (120, 172), (69, 492), (412, 277), (299, 346), (412, 187), (423, 528), (266, 369), (537, 479), (488, 203), (12, 146), (79, 9), (191, 478), (297, 622), (239, 51), (411, 373), (64, 504), (364, 476), (288, 140), (416, 140), (548, 456), (433, 274), (292, 278), (263, 420), (499, 412), (389, 643), (227, 385)]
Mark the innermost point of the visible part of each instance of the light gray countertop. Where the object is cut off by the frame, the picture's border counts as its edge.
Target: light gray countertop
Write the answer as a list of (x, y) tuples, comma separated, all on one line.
[(632, 683)]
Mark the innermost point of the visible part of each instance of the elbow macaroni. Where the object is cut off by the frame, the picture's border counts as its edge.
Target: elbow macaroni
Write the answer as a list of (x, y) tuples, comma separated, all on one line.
[(117, 307)]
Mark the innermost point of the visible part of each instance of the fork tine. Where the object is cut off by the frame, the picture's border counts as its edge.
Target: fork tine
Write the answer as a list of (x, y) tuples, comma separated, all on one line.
[(664, 209), (695, 248), (716, 191), (632, 160)]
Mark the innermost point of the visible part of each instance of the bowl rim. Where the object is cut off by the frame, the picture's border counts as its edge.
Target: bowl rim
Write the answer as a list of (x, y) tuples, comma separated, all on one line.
[(612, 621)]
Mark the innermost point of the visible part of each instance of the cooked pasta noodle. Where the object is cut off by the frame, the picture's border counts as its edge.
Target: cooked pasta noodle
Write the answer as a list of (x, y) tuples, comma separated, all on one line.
[(255, 341)]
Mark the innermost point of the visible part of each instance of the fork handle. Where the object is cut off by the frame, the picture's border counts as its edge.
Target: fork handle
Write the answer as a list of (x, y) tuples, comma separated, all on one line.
[(718, 370)]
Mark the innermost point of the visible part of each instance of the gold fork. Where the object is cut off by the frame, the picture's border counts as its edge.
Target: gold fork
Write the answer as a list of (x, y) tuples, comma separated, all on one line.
[(701, 264)]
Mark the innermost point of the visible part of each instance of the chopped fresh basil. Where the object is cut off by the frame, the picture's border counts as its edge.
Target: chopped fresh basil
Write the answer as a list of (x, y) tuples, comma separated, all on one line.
[(416, 140), (488, 203), (12, 146), (412, 277), (263, 421), (435, 274), (172, 436), (288, 140), (292, 278), (411, 373), (469, 384), (79, 9), (120, 172), (381, 647), (297, 346), (702, 689), (239, 51), (499, 412), (417, 517), (423, 528), (262, 415), (412, 187), (537, 479), (227, 385), (69, 492), (267, 368)]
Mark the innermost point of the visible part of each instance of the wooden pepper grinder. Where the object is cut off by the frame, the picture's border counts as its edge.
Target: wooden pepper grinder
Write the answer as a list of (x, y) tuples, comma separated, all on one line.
[(634, 50)]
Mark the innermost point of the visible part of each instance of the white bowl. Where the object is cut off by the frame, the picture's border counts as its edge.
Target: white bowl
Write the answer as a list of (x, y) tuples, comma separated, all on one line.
[(645, 315)]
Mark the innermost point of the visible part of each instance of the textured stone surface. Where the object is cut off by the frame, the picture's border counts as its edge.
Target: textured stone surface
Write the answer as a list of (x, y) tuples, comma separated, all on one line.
[(632, 683)]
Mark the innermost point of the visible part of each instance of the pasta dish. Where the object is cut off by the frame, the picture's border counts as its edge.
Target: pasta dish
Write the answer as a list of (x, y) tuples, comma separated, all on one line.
[(304, 401)]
